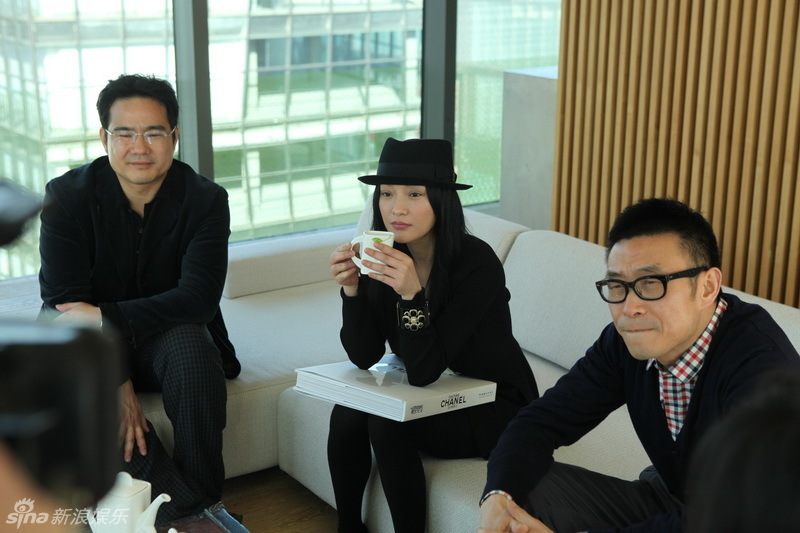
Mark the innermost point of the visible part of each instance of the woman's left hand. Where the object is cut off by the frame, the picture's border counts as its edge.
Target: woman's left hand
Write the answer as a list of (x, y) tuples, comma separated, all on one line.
[(398, 270)]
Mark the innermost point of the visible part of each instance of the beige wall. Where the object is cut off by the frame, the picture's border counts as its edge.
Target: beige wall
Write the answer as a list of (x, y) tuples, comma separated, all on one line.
[(526, 165)]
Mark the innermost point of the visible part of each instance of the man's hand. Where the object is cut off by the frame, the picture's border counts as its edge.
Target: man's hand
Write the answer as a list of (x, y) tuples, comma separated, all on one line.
[(523, 522), (501, 515), (133, 424), (80, 312), (494, 514)]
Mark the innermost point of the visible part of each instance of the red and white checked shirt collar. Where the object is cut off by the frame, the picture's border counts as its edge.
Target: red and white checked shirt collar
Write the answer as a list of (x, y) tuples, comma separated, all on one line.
[(676, 382)]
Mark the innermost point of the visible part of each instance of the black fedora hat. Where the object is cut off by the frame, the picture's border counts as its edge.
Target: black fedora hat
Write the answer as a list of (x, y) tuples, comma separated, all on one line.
[(427, 162)]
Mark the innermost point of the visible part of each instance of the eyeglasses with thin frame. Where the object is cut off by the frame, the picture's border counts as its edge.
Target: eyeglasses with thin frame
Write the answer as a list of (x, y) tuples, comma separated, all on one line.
[(127, 138), (651, 287)]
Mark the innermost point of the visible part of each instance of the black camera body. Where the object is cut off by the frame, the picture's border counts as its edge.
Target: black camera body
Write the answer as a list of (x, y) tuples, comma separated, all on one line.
[(59, 406)]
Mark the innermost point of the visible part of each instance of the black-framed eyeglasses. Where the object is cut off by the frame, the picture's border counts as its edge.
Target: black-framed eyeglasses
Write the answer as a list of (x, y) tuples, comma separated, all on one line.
[(651, 287), (127, 138)]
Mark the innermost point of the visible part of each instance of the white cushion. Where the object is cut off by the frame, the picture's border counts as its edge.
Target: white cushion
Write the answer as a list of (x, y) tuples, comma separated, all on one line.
[(555, 309), (280, 262)]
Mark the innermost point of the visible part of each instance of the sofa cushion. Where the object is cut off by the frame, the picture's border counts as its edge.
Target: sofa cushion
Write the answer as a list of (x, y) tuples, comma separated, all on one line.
[(555, 309), (500, 234), (19, 298), (279, 262)]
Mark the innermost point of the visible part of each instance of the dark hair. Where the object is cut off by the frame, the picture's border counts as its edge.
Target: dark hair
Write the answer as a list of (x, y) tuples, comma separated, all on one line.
[(449, 232), (656, 216), (132, 85), (745, 472)]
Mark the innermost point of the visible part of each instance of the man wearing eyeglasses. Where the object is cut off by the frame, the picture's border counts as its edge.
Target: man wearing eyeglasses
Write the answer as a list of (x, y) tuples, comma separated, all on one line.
[(136, 243), (680, 353)]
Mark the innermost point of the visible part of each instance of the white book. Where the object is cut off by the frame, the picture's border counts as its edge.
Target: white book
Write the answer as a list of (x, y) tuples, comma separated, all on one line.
[(384, 390)]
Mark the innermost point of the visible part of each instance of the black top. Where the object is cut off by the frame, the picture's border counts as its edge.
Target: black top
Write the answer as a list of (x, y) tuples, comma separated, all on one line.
[(470, 333), (146, 275)]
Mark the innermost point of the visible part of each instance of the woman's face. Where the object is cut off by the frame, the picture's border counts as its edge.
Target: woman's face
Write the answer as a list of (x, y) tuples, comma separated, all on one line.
[(406, 212)]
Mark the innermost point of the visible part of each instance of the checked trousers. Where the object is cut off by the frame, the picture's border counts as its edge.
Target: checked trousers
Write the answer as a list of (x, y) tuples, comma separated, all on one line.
[(184, 365)]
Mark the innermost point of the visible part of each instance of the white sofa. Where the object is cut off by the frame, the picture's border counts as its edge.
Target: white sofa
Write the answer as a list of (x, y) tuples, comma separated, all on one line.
[(283, 312), (556, 314)]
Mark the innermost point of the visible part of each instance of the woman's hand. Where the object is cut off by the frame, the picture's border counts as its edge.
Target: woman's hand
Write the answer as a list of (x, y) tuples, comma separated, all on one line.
[(398, 270), (344, 270)]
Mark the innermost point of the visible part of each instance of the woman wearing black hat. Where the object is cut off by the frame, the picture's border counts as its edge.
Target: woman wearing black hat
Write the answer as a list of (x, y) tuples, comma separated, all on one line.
[(452, 285)]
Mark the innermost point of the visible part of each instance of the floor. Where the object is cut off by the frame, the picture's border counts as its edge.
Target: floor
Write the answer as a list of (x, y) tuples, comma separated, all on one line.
[(272, 501)]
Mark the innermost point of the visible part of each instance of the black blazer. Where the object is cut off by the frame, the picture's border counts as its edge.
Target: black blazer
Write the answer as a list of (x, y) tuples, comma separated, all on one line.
[(88, 253)]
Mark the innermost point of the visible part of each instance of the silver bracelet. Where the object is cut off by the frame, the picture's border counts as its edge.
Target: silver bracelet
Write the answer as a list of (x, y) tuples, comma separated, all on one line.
[(493, 492)]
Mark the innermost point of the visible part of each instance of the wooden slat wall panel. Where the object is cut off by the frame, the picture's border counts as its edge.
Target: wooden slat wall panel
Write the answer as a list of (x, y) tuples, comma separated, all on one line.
[(697, 100)]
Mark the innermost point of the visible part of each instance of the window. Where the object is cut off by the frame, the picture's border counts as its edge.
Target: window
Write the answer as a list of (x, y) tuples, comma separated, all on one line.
[(493, 37), (54, 59), (304, 94), (316, 84)]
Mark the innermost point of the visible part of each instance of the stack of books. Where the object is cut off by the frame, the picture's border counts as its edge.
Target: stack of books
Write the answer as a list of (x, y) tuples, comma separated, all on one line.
[(384, 390)]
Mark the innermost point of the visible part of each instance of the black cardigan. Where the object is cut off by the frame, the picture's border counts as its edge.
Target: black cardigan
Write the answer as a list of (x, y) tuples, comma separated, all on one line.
[(746, 344), (88, 257)]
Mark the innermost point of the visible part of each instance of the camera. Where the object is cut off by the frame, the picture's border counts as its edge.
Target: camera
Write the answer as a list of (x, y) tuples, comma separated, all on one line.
[(59, 413)]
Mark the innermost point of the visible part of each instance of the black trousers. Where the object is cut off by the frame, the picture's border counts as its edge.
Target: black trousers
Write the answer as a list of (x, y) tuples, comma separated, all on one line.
[(571, 498), (397, 446), (184, 365)]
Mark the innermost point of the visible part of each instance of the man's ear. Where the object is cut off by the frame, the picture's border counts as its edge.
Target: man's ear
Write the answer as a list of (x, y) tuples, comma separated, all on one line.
[(104, 138), (712, 284)]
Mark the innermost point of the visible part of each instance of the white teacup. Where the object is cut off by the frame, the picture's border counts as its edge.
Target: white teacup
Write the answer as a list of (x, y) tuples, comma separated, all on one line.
[(368, 240)]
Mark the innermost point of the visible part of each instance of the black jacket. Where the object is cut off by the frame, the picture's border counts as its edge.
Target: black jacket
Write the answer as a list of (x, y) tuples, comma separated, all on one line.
[(89, 255)]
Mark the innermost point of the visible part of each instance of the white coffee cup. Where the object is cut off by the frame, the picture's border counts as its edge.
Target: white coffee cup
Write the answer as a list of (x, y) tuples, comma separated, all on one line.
[(368, 240)]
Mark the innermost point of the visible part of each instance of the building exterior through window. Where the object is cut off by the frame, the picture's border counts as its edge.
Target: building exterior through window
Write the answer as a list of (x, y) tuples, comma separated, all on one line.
[(303, 95)]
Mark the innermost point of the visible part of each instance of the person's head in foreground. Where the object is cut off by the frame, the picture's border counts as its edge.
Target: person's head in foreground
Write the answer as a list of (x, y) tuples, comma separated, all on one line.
[(745, 473)]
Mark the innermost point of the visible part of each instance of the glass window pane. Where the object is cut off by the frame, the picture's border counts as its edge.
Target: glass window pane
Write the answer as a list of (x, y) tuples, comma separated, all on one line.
[(270, 52), (273, 159), (227, 163), (313, 70), (309, 50), (56, 56), (494, 37)]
